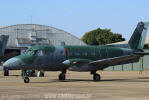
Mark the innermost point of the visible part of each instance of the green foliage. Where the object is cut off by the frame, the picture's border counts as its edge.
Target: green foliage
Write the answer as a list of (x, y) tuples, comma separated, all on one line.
[(101, 36)]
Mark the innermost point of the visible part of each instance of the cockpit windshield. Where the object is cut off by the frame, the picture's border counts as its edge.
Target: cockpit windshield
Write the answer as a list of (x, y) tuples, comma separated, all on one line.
[(29, 51), (34, 52)]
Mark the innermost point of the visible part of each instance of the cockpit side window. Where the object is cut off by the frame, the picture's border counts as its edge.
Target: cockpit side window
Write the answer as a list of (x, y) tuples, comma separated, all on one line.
[(38, 53)]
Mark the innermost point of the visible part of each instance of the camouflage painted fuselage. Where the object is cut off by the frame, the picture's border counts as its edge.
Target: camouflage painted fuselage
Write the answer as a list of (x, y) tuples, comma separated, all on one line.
[(81, 58), (51, 58)]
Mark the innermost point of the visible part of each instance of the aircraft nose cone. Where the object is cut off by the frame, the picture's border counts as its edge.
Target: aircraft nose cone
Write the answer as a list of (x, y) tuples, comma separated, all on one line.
[(12, 63)]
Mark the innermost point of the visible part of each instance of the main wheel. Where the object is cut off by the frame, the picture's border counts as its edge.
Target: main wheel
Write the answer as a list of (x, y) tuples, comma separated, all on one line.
[(40, 74), (6, 72), (62, 76), (26, 80), (96, 77), (33, 73)]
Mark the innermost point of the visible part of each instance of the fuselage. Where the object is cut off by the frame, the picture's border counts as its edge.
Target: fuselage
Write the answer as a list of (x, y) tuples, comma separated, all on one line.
[(50, 57)]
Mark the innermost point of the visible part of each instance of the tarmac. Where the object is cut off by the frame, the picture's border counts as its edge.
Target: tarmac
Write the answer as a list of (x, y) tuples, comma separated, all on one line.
[(78, 86)]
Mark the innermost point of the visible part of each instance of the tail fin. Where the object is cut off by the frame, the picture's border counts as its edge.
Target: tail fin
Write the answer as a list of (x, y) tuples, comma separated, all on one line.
[(3, 43), (137, 40)]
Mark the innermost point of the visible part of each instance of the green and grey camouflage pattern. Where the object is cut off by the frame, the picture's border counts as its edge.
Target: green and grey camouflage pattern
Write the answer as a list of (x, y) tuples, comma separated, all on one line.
[(80, 58)]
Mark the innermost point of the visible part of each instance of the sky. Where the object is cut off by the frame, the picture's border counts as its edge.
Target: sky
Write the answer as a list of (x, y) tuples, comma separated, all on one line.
[(77, 16)]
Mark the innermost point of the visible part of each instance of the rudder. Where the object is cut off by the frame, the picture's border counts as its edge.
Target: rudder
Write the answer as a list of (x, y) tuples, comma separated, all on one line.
[(137, 40)]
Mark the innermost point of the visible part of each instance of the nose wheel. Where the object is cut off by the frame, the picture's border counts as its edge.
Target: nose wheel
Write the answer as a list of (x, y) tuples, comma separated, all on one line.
[(26, 80), (25, 76)]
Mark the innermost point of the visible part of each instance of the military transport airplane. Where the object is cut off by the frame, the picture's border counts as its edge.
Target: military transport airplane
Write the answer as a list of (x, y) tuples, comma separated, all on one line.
[(80, 58)]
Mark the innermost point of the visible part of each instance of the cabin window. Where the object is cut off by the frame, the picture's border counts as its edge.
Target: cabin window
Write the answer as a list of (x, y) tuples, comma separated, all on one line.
[(77, 53), (84, 53), (70, 53), (93, 53)]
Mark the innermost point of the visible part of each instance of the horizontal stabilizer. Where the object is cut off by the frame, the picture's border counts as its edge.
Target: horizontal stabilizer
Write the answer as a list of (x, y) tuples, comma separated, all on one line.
[(141, 53)]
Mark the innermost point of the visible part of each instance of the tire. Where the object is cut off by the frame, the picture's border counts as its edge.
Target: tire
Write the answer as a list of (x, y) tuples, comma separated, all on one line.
[(40, 74), (62, 77), (96, 77), (26, 80), (33, 73)]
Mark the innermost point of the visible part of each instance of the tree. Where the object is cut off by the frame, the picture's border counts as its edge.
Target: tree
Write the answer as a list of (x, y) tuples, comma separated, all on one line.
[(101, 36)]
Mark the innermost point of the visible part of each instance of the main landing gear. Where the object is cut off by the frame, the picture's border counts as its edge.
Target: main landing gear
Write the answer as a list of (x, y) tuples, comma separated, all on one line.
[(96, 77), (62, 76), (40, 74)]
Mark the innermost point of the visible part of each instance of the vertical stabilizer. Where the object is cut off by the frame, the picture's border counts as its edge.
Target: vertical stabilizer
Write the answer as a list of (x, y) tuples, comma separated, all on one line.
[(138, 37)]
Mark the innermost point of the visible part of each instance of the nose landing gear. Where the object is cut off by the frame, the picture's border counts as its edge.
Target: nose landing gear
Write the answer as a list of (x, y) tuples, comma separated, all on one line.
[(25, 76), (26, 80)]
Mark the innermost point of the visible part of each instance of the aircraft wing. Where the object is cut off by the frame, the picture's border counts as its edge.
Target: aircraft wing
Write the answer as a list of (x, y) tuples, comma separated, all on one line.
[(85, 64), (104, 63)]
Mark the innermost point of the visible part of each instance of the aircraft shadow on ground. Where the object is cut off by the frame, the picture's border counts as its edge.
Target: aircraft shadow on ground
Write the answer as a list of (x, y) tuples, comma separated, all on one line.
[(138, 79), (143, 78), (67, 80), (9, 76)]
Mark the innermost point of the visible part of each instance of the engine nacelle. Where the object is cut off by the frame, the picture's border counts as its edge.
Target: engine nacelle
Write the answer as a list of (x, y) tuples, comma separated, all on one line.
[(77, 64)]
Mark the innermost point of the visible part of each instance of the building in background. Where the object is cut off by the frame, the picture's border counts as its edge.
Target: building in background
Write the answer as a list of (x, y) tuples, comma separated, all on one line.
[(22, 36)]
